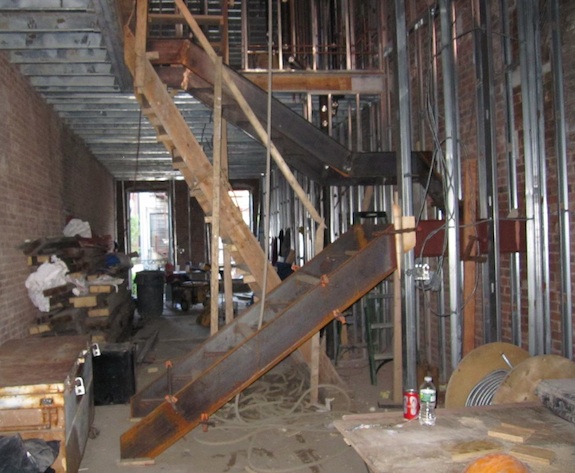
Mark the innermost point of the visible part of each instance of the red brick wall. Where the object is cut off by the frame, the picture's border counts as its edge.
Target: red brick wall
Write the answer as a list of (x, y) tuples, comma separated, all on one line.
[(46, 174), (466, 93)]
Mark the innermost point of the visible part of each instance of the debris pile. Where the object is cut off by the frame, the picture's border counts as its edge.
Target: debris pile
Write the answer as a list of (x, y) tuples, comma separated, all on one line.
[(80, 286)]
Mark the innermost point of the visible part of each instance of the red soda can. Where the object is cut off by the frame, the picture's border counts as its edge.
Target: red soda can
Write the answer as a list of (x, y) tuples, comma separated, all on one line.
[(410, 404)]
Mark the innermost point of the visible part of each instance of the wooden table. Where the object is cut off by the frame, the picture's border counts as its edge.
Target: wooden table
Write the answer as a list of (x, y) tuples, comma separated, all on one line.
[(389, 444)]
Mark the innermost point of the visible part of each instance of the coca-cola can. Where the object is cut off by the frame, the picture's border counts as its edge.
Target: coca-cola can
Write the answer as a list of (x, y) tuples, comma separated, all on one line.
[(410, 404)]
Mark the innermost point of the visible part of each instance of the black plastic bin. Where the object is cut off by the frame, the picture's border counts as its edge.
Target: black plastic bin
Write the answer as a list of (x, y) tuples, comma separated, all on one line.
[(150, 292), (114, 374)]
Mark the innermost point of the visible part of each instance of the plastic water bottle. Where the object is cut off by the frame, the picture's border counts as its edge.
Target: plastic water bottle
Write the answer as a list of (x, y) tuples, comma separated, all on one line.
[(427, 399)]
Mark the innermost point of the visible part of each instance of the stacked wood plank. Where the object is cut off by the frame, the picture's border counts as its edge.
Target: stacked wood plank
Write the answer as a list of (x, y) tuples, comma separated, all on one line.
[(559, 397), (96, 299)]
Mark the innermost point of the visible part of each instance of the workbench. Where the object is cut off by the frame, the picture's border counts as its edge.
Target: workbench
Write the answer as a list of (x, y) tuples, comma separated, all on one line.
[(388, 443)]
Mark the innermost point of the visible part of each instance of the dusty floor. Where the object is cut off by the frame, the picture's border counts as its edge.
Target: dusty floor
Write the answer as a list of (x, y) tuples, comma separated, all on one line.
[(271, 429)]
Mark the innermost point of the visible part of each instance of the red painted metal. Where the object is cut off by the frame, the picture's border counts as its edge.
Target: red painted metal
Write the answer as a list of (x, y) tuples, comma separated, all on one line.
[(430, 238)]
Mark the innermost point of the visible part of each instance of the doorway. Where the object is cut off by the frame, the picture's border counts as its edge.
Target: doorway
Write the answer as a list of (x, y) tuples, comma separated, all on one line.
[(150, 229)]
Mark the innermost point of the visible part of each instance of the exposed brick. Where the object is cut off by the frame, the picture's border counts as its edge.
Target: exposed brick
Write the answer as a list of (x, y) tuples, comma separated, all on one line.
[(46, 174)]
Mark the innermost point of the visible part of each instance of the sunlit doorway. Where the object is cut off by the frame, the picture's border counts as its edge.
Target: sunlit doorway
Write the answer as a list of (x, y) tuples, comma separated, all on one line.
[(149, 230)]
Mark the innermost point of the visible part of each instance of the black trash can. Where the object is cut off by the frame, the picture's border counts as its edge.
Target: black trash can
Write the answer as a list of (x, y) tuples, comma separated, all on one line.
[(150, 293)]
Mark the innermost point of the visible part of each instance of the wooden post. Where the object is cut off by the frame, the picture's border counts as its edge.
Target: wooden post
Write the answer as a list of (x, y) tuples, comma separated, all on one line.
[(141, 36), (228, 285), (259, 129), (469, 266), (397, 303), (216, 166)]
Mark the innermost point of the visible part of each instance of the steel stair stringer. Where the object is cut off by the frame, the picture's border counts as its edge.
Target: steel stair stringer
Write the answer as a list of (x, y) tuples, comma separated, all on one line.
[(230, 360)]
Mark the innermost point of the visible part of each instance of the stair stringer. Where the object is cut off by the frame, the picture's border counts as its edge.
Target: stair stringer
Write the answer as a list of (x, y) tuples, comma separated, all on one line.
[(197, 170), (299, 307)]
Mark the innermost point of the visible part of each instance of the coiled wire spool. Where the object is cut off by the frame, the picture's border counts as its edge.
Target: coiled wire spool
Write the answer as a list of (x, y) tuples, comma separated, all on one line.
[(483, 392), (477, 365)]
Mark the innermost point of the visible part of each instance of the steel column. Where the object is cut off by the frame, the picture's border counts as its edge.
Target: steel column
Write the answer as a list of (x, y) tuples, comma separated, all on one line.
[(314, 34), (451, 176), (512, 153), (245, 39), (488, 202), (405, 187), (562, 180), (535, 179), (442, 331)]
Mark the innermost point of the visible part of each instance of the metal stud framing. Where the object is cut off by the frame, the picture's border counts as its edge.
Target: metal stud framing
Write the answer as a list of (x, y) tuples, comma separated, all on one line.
[(451, 177), (562, 181), (405, 186), (535, 177), (488, 201)]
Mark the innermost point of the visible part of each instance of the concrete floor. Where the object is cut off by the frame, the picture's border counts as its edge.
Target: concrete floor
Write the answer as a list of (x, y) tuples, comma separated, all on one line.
[(270, 430)]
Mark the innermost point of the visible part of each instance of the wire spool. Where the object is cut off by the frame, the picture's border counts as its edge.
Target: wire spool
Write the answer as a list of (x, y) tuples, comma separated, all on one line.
[(483, 392), (478, 365), (519, 385)]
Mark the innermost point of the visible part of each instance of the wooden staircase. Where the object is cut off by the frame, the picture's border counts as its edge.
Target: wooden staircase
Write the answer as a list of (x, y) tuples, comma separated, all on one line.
[(190, 158), (202, 381)]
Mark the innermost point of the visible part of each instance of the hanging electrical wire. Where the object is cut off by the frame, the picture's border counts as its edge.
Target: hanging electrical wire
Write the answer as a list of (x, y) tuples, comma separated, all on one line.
[(267, 184)]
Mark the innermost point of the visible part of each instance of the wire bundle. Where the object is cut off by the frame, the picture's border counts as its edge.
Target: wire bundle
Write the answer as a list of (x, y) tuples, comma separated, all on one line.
[(483, 392), (277, 402)]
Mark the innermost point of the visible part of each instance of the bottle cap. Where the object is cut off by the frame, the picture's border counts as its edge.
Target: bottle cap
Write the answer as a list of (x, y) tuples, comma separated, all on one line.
[(427, 379)]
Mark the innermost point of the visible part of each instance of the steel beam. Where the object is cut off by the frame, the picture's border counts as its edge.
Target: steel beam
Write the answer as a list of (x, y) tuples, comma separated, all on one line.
[(536, 211), (562, 181), (230, 360), (404, 183), (452, 176), (511, 153), (487, 164)]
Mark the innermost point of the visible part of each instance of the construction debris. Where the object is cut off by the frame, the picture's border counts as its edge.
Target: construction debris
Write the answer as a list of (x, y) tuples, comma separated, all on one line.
[(79, 287)]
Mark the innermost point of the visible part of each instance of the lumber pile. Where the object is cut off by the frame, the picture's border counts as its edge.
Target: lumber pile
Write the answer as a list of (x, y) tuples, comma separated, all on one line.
[(79, 288)]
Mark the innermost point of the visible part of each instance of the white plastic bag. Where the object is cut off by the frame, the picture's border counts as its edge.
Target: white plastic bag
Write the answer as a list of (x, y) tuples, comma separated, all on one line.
[(48, 275), (77, 227)]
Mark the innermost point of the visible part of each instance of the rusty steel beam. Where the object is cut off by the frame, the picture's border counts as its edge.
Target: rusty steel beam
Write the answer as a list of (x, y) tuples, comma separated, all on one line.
[(231, 335), (303, 304)]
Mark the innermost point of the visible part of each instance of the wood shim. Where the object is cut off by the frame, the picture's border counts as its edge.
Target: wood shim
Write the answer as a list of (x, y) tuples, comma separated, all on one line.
[(102, 288), (84, 301), (137, 462), (38, 329), (465, 450), (99, 312), (533, 454), (510, 432)]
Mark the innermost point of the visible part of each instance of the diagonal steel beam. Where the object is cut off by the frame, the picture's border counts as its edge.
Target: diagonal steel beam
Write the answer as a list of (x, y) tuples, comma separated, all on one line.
[(303, 304)]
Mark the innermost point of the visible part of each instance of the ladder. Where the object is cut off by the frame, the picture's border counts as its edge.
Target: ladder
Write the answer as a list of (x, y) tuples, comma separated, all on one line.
[(377, 311), (378, 308)]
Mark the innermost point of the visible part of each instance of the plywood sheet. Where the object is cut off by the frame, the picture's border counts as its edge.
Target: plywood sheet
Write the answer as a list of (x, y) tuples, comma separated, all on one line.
[(388, 443)]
